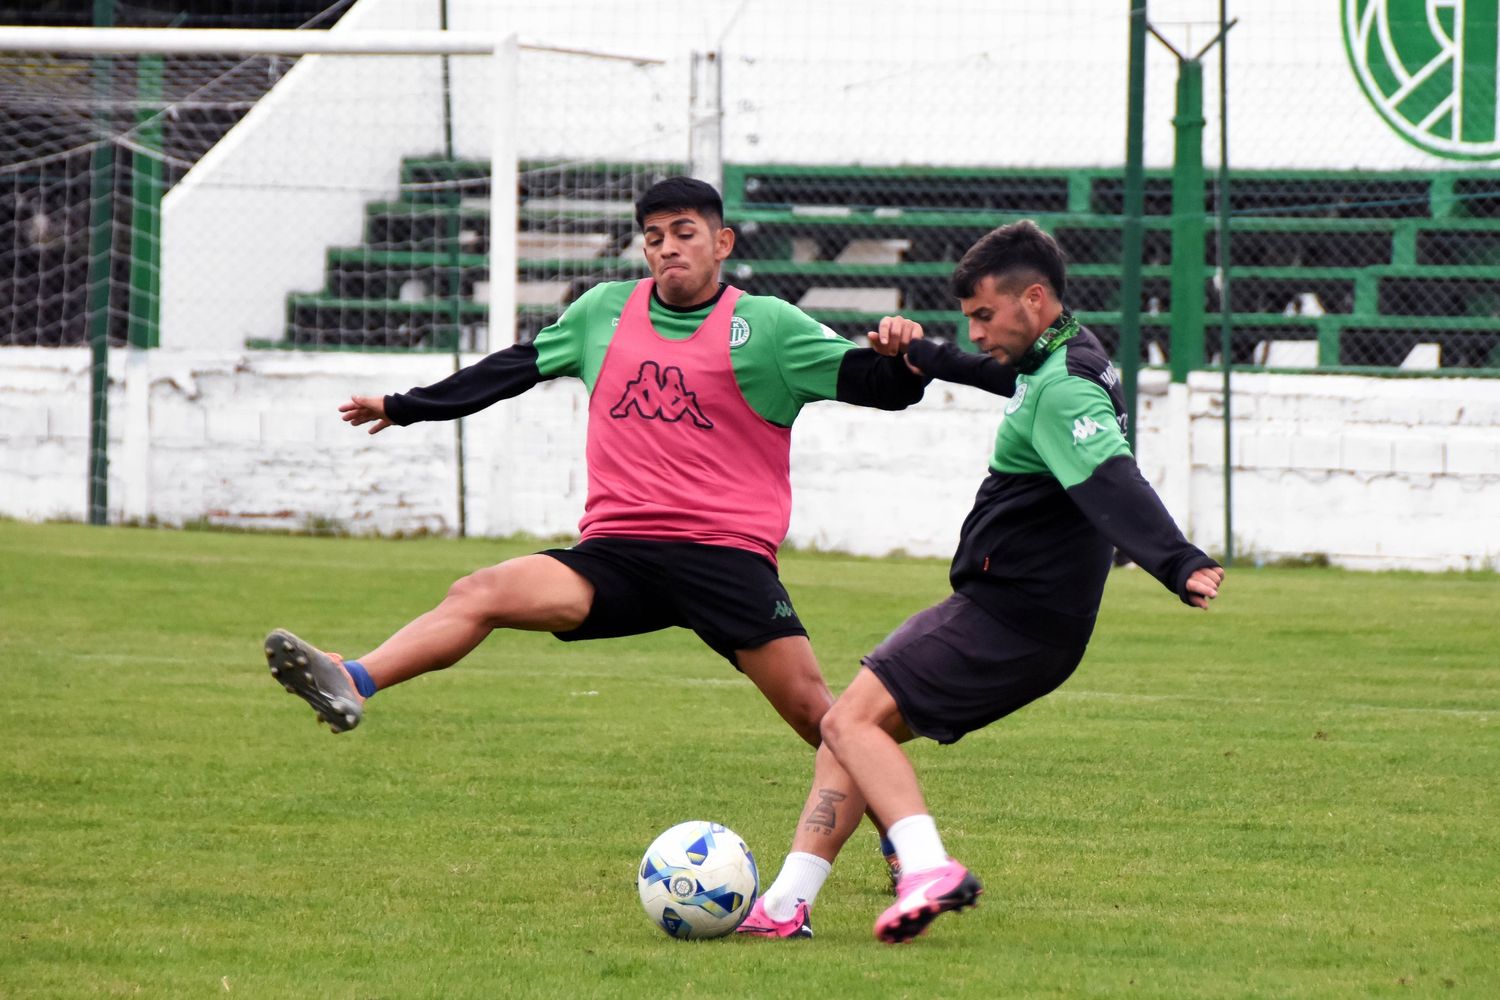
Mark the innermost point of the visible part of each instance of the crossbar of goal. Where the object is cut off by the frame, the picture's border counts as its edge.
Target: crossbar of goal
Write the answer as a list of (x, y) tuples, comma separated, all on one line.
[(245, 41), (273, 42)]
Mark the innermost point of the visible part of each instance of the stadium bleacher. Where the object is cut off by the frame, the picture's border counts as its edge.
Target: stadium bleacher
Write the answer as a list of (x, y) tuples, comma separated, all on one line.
[(1345, 269)]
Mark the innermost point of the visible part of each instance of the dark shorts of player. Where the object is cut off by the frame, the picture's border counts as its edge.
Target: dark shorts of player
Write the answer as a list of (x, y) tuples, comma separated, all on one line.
[(955, 668), (731, 598)]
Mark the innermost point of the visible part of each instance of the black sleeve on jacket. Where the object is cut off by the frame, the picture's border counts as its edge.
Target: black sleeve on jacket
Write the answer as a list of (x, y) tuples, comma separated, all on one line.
[(950, 364), (868, 378), (501, 375), (1126, 510)]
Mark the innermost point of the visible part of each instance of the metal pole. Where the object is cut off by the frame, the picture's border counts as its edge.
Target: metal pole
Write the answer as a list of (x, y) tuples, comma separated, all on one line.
[(146, 186), (454, 203), (1226, 324), (1132, 237), (1188, 223), (101, 238)]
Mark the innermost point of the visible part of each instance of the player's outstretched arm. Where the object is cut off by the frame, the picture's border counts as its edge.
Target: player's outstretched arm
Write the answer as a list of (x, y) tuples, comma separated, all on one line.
[(947, 362), (361, 410)]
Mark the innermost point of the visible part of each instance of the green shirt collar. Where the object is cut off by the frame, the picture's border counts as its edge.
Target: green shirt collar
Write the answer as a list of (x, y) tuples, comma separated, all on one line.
[(1062, 330)]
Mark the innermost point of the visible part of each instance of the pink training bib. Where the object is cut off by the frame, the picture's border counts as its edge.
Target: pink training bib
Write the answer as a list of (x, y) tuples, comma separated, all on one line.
[(675, 453)]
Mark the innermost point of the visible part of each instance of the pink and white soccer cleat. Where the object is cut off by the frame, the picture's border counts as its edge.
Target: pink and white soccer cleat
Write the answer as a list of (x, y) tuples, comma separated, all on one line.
[(921, 896), (759, 922)]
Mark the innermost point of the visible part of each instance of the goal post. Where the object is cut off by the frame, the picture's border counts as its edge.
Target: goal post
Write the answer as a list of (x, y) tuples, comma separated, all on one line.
[(181, 188), (224, 190), (281, 148)]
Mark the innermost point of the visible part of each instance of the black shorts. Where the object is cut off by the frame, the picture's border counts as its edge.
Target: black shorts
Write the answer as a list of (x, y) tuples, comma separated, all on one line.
[(955, 668), (732, 598)]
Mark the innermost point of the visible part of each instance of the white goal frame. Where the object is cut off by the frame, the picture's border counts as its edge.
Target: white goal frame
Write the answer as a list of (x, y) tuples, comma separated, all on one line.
[(503, 49)]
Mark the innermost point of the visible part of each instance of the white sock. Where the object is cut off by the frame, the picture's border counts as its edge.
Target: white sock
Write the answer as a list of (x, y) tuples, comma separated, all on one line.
[(802, 877), (917, 843)]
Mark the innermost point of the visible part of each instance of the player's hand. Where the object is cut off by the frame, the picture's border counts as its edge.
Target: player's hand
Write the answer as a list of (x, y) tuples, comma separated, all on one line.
[(893, 334), (363, 409), (1203, 585)]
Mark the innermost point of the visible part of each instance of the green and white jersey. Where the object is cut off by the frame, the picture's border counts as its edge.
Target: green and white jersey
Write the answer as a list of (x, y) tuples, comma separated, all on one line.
[(1062, 492), (783, 359), (1059, 424)]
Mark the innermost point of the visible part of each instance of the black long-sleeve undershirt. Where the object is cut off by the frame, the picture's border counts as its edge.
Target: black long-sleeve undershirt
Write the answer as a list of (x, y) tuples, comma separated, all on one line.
[(865, 378)]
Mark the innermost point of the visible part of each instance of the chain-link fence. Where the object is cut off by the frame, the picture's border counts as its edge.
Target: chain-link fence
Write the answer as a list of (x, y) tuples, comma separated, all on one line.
[(861, 148)]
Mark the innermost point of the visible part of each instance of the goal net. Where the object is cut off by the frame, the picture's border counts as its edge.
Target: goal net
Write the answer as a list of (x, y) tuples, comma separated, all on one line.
[(223, 190)]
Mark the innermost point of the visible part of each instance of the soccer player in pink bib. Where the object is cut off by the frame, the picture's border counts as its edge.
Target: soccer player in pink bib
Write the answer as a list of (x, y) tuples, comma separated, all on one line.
[(693, 390)]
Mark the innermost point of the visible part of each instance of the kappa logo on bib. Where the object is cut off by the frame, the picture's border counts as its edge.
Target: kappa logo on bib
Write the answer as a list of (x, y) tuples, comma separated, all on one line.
[(659, 394), (739, 332)]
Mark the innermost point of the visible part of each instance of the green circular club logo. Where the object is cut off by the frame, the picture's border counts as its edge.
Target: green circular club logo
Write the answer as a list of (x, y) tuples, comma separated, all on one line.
[(1428, 66), (739, 331)]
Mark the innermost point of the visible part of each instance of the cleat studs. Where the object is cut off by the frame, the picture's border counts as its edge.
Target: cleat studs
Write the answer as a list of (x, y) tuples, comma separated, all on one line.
[(301, 660), (289, 689), (275, 670), (349, 718)]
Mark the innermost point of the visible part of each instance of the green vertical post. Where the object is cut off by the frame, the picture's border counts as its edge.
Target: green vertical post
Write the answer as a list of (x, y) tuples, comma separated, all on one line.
[(1132, 235), (1187, 223), (101, 235), (146, 189), (1226, 319)]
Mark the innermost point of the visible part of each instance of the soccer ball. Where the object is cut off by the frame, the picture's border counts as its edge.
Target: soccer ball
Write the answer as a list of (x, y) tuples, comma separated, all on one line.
[(698, 880)]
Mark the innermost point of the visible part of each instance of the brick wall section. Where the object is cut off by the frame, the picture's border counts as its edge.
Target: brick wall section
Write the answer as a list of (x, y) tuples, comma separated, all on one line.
[(1371, 472)]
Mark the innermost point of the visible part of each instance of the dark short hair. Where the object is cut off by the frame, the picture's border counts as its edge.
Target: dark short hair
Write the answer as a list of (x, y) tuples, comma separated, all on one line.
[(680, 194), (1019, 251)]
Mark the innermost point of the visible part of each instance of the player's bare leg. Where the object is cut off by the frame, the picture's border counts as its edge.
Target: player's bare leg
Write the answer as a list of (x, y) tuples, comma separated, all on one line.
[(786, 672), (830, 815), (534, 592), (864, 732)]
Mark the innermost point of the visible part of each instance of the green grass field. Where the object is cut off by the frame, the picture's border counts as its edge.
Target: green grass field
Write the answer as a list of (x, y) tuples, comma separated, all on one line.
[(1294, 795)]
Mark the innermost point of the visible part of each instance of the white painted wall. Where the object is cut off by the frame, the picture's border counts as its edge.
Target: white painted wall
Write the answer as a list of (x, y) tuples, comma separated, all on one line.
[(1374, 473)]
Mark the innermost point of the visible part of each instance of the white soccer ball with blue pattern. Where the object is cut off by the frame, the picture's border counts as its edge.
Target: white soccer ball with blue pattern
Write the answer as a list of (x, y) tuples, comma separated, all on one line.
[(698, 880)]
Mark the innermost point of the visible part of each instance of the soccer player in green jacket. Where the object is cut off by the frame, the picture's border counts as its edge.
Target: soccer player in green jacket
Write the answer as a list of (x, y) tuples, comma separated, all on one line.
[(1063, 492)]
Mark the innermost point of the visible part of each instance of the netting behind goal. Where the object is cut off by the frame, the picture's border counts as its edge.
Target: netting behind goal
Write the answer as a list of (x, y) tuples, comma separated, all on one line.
[(335, 201), (88, 146)]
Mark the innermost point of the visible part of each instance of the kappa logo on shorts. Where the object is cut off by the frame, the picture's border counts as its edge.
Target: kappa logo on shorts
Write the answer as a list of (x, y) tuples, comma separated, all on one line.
[(783, 610), (657, 394)]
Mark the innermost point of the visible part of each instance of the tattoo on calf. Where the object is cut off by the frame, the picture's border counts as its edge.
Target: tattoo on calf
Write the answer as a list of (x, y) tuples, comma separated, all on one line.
[(825, 813)]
